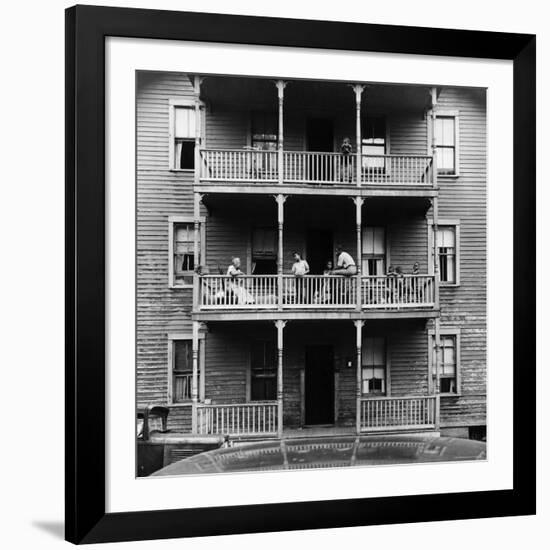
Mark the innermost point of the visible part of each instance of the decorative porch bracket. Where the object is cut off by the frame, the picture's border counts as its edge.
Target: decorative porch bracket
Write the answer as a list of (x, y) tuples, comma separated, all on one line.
[(280, 85), (280, 200), (359, 201), (358, 90)]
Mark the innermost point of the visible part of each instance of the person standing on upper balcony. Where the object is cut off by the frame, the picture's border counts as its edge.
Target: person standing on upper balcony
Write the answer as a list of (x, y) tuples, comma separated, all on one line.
[(345, 263), (346, 169), (299, 268)]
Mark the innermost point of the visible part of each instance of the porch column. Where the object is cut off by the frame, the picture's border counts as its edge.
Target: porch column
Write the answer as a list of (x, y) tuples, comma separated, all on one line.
[(280, 199), (358, 224), (358, 89), (196, 248), (358, 393), (280, 84), (195, 379), (280, 324)]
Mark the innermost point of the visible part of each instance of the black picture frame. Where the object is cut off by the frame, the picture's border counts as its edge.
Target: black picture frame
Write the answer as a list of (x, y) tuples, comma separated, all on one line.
[(86, 30)]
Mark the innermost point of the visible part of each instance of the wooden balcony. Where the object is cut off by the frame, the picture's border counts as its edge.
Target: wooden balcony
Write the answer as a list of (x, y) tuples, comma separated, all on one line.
[(247, 167), (382, 414), (315, 292)]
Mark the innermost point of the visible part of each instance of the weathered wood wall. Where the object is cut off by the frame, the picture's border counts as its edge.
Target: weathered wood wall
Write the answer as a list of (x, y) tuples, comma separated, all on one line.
[(464, 307), (162, 192)]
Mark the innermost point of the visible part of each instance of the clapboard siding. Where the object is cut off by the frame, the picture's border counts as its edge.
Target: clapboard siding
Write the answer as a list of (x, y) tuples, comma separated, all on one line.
[(162, 192), (464, 307)]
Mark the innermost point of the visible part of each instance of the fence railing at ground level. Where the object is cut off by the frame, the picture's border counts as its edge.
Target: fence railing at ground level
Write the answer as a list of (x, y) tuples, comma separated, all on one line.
[(255, 418), (393, 413)]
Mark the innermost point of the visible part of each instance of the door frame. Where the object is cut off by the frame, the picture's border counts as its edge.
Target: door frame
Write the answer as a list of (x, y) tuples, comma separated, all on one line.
[(310, 116), (303, 387)]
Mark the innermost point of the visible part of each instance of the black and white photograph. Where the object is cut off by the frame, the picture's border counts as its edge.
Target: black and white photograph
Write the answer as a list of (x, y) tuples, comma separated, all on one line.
[(311, 273)]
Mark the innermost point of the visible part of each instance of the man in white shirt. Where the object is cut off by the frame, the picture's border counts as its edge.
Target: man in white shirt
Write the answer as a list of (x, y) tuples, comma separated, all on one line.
[(299, 269), (345, 263)]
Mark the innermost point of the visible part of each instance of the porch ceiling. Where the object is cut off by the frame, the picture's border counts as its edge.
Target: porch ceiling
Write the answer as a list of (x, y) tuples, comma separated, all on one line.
[(382, 208), (311, 94)]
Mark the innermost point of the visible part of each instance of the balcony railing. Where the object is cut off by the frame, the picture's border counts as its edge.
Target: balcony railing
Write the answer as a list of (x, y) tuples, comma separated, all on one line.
[(249, 165), (257, 418), (396, 413), (239, 165), (219, 292), (397, 291)]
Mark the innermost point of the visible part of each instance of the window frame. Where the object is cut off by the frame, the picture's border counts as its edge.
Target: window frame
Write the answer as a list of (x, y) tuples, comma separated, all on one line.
[(446, 113), (189, 103), (188, 336), (387, 377), (250, 138), (366, 256), (250, 369), (172, 221), (445, 222), (447, 331)]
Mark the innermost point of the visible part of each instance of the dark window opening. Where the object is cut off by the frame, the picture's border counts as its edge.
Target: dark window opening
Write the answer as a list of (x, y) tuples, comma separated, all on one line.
[(264, 131), (182, 371), (185, 154), (263, 379)]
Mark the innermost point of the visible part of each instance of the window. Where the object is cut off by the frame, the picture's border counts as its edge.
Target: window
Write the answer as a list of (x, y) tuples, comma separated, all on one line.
[(264, 131), (182, 370), (373, 365), (446, 251), (374, 251), (264, 251), (373, 141), (263, 371), (181, 250), (445, 140), (184, 259), (184, 132), (448, 363)]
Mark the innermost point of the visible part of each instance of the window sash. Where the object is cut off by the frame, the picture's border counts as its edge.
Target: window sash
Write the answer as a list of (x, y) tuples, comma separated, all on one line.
[(182, 371), (446, 241), (449, 361), (184, 122), (183, 250), (373, 365), (445, 140)]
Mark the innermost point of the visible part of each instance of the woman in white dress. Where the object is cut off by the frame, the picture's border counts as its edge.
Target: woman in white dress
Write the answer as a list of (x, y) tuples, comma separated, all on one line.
[(239, 295)]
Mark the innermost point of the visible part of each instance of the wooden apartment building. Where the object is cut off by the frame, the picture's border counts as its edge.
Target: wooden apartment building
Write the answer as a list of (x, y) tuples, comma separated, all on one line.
[(253, 168)]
